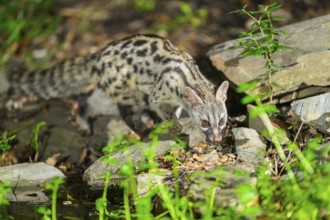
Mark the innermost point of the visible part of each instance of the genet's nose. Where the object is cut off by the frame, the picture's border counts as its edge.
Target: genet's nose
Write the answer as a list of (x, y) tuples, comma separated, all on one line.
[(216, 137)]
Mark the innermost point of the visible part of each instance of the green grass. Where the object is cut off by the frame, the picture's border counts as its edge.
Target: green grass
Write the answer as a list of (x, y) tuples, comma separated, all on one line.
[(22, 21)]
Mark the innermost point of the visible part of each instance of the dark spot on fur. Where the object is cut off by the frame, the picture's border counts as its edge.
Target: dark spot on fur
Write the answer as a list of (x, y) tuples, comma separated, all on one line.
[(146, 99), (97, 71), (142, 53), (124, 55), (129, 60), (106, 53), (158, 58), (139, 42), (154, 47), (135, 68), (125, 44)]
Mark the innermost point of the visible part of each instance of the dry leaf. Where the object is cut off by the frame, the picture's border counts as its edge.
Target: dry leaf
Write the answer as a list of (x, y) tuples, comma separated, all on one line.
[(52, 160)]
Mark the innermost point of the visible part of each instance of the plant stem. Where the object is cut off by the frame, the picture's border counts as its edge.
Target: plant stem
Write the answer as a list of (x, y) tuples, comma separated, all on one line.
[(276, 142), (270, 71)]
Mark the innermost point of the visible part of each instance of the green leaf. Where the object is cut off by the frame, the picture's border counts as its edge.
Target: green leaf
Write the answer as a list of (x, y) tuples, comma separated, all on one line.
[(282, 32), (274, 6), (254, 113), (202, 12), (275, 84), (247, 99), (185, 8), (278, 19), (270, 108), (246, 86)]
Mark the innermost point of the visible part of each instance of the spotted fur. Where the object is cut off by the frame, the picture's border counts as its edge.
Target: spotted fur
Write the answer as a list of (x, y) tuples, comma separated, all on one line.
[(144, 72)]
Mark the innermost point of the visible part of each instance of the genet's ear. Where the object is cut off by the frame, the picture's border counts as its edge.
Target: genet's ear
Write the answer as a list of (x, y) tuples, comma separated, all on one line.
[(221, 94), (192, 98)]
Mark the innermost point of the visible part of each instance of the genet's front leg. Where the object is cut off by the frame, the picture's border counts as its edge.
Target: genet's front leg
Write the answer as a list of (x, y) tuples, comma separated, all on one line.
[(167, 112)]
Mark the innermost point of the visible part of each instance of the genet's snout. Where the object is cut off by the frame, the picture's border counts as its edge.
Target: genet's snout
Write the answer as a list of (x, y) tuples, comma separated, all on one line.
[(216, 137)]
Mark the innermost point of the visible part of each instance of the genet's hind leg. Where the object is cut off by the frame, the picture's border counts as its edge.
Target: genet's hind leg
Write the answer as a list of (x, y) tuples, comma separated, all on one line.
[(137, 119), (127, 113)]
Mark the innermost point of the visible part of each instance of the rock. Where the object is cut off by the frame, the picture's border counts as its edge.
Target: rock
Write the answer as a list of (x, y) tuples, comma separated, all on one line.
[(92, 175), (210, 157), (147, 180), (303, 70), (261, 124), (223, 179), (28, 174), (314, 111), (27, 194), (248, 145), (59, 135)]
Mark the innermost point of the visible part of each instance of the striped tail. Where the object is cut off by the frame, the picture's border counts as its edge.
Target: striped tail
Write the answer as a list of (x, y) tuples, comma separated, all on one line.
[(68, 78)]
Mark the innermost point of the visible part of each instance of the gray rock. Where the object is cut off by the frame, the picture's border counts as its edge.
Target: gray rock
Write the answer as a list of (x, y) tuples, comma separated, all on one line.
[(223, 179), (28, 174), (27, 194), (248, 145), (147, 180), (210, 157), (314, 111), (302, 71), (134, 153)]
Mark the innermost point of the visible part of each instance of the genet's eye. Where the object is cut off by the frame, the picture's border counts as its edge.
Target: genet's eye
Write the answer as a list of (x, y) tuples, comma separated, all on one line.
[(205, 124), (221, 122)]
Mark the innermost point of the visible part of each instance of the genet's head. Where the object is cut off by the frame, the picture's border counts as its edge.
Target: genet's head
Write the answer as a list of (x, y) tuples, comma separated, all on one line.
[(210, 116)]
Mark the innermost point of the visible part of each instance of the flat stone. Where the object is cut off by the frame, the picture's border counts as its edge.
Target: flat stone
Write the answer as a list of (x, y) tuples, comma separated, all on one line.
[(134, 153), (303, 70), (145, 181), (210, 157), (28, 174), (314, 111), (249, 146), (225, 195), (22, 194)]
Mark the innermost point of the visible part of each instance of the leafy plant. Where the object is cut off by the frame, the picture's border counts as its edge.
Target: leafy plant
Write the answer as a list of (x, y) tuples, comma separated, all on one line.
[(101, 203), (188, 16), (263, 39), (53, 185), (4, 189), (298, 194), (23, 21), (5, 143), (145, 5), (35, 140)]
